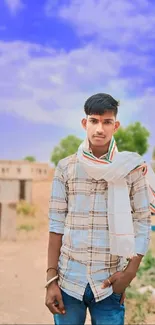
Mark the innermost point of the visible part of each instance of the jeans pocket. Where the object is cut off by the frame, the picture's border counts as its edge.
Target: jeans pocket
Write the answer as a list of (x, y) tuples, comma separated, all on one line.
[(116, 296)]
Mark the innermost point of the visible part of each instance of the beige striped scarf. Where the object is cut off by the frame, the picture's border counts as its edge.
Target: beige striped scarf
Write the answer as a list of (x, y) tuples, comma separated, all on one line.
[(114, 167)]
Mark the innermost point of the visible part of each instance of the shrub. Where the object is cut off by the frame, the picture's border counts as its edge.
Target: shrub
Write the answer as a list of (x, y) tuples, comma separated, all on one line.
[(26, 209), (148, 264), (26, 227)]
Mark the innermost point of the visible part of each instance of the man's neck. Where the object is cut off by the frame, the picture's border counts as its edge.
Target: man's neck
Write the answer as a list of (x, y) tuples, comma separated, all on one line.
[(99, 151)]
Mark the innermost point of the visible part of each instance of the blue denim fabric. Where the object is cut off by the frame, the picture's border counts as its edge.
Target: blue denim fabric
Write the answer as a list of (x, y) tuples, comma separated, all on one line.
[(105, 312)]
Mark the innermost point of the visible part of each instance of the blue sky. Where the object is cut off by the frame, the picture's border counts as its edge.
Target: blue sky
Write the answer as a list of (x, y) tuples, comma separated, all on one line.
[(54, 54)]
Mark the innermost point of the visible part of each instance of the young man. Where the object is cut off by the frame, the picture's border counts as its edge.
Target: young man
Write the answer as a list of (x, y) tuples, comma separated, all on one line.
[(99, 217)]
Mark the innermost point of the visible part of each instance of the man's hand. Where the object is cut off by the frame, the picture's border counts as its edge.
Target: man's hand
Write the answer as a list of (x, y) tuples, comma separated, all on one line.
[(119, 281), (54, 300)]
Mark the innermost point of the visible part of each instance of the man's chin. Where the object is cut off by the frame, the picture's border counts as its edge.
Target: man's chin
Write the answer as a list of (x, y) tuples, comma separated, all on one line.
[(99, 142)]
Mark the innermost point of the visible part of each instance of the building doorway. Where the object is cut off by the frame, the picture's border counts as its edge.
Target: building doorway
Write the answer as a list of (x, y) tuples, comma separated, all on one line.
[(22, 192)]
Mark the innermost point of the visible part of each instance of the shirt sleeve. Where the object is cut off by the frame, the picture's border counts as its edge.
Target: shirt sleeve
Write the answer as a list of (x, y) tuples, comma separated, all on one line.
[(58, 202), (140, 204)]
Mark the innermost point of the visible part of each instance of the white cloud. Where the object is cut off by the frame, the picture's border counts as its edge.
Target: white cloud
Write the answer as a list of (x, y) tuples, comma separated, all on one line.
[(14, 5), (52, 88), (120, 22)]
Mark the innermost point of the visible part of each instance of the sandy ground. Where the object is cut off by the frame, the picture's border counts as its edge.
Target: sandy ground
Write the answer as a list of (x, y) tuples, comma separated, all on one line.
[(22, 279)]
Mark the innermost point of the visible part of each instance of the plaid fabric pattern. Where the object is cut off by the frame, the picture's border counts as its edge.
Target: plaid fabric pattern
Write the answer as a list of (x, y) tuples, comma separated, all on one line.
[(78, 210)]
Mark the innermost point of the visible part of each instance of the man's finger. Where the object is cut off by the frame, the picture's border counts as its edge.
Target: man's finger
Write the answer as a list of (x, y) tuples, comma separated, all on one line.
[(54, 308), (108, 282), (122, 298), (61, 305)]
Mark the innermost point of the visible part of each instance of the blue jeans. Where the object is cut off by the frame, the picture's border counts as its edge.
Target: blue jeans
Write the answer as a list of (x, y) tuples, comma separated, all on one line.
[(105, 312)]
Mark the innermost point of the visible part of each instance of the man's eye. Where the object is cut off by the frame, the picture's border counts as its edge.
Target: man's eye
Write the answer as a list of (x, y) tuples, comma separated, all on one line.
[(93, 121), (107, 122)]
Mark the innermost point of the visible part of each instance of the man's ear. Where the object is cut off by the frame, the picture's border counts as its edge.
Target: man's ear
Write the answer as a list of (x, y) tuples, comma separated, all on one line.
[(117, 125), (84, 123)]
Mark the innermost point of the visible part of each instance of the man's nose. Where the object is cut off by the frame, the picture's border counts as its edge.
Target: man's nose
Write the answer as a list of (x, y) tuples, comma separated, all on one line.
[(100, 128)]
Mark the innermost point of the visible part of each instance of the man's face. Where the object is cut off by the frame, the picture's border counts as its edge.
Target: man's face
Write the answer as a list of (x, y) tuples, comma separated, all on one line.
[(100, 128)]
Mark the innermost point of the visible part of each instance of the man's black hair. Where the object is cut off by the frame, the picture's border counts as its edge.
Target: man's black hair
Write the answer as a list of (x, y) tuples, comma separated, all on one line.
[(101, 103)]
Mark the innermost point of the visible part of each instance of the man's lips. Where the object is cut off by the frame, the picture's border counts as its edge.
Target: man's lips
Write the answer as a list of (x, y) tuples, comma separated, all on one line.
[(99, 137)]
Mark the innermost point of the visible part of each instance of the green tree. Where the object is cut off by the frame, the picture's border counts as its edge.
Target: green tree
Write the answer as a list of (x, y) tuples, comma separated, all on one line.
[(30, 158), (133, 138), (66, 147), (153, 154)]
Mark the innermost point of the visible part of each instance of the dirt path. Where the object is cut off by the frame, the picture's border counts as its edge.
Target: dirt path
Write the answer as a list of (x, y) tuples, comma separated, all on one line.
[(22, 278)]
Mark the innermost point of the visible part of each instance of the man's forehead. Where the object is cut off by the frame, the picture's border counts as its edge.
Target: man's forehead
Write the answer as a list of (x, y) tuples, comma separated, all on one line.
[(105, 116)]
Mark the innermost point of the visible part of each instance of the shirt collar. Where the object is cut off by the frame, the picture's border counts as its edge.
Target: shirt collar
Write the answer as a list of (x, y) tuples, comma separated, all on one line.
[(103, 156)]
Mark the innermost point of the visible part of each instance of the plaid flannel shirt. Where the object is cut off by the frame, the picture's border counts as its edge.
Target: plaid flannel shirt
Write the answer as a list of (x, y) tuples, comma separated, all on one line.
[(78, 210)]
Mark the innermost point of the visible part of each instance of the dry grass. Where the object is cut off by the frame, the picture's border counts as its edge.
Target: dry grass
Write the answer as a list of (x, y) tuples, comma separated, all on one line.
[(31, 225), (140, 308)]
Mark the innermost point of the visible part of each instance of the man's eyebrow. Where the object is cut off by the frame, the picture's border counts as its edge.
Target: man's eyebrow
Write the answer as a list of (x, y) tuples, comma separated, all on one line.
[(105, 119)]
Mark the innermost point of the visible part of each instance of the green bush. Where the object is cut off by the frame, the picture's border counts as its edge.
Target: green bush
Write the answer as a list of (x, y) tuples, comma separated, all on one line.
[(147, 265), (26, 209), (138, 306), (26, 227)]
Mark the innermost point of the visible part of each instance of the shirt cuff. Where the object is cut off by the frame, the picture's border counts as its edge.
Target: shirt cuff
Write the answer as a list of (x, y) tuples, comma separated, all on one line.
[(142, 244), (57, 227)]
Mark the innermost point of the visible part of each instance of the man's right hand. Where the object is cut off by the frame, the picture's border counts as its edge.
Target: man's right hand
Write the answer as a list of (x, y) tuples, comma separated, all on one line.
[(54, 300)]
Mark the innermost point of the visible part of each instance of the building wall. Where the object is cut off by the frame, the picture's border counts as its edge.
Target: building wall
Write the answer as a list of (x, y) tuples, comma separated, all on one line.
[(28, 191), (41, 194), (24, 170), (7, 221), (9, 190)]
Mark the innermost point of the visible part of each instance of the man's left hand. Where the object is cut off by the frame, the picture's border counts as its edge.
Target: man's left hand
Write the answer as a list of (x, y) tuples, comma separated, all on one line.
[(119, 281)]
